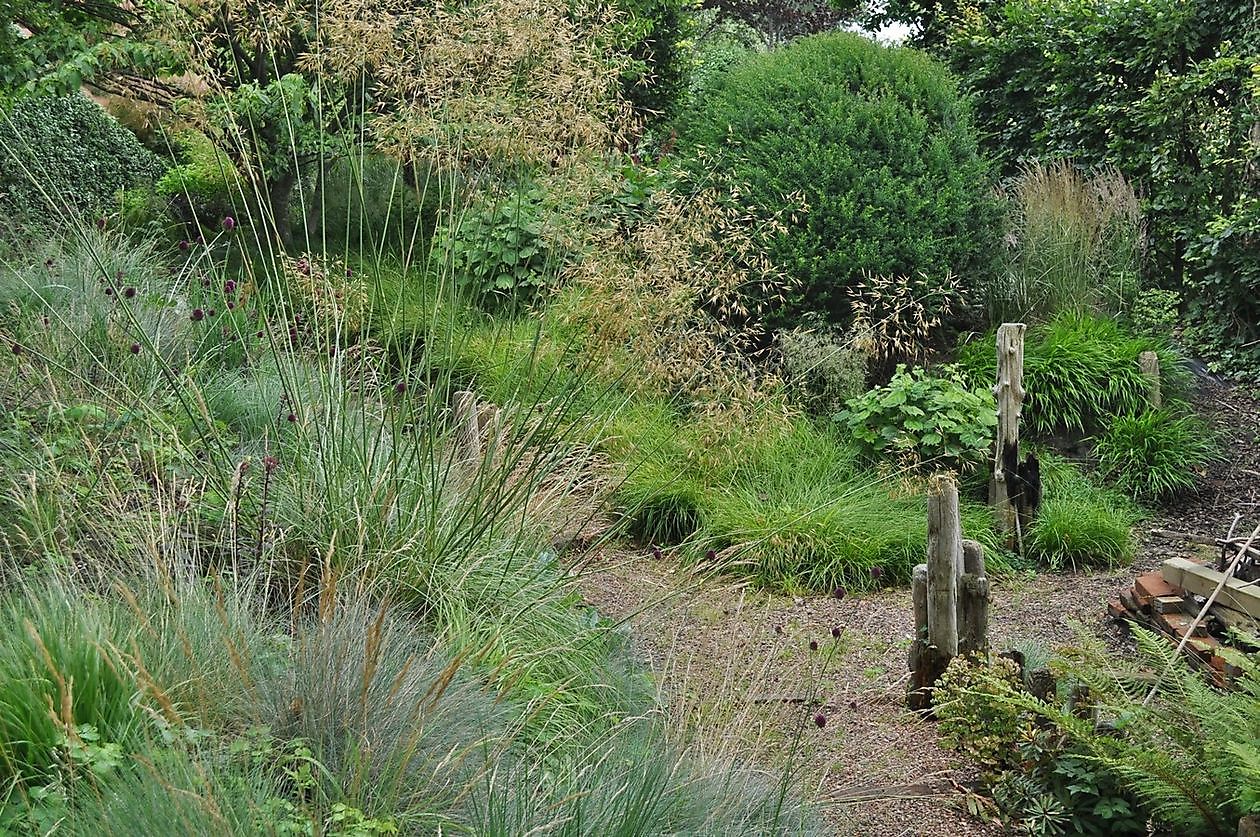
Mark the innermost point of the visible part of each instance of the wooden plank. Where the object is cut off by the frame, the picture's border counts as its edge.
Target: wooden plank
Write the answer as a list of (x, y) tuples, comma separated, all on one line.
[(1237, 594), (1009, 393)]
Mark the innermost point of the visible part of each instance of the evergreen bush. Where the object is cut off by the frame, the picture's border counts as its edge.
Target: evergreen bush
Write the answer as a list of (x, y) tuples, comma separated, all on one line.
[(66, 155), (877, 143)]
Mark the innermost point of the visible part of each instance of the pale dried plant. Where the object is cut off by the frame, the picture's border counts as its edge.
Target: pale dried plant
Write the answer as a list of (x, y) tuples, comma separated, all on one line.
[(896, 319), (676, 297)]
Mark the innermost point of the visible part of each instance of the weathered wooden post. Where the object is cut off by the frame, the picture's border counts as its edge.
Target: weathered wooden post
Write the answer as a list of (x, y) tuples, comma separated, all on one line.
[(467, 425), (945, 599), (973, 601), (1009, 391), (1148, 363)]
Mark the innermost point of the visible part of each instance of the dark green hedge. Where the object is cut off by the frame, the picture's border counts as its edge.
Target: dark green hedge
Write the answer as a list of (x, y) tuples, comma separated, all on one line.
[(880, 145), (66, 150)]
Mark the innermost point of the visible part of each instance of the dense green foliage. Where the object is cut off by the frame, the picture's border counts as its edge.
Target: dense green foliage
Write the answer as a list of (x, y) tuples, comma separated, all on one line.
[(1164, 90), (933, 420), (65, 156), (1157, 454), (1080, 525), (877, 145), (1041, 782), (1079, 372)]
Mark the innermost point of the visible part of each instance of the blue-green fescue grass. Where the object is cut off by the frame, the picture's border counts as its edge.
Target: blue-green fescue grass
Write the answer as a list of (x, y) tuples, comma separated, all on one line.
[(1080, 525), (1080, 370), (366, 485)]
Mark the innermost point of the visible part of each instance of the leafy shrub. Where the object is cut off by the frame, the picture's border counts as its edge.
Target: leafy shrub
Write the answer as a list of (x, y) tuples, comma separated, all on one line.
[(68, 151), (1154, 313), (1041, 782), (1157, 454), (204, 186), (880, 146), (1079, 372), (654, 35), (498, 247), (720, 44), (1079, 525), (932, 421), (822, 368), (1073, 244)]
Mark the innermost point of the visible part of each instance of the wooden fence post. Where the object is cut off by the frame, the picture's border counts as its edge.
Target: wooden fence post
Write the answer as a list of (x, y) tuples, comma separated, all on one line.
[(1148, 363), (1010, 399), (973, 601), (935, 591)]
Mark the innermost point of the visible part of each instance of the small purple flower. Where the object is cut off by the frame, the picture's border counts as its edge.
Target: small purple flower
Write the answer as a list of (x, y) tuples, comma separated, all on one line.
[(656, 552), (48, 263), (109, 292), (270, 463), (135, 348), (229, 287), (836, 632), (710, 555), (259, 335), (877, 573), (291, 418), (229, 223), (100, 223), (813, 645), (197, 315), (231, 306), (349, 273), (839, 593), (17, 349), (129, 292), (211, 312), (304, 267), (400, 387), (820, 720), (184, 245)]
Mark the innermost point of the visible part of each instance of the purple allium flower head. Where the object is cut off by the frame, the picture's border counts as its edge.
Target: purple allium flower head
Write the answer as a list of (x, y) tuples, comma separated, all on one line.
[(304, 267), (211, 312), (400, 387), (778, 629), (877, 573), (291, 418), (839, 593), (259, 335), (100, 223), (48, 262), (205, 283), (135, 348), (656, 552), (349, 273), (270, 463), (820, 720), (229, 287), (197, 315), (129, 292), (836, 632), (231, 306), (109, 292), (710, 555), (229, 223), (17, 349), (813, 645), (184, 245)]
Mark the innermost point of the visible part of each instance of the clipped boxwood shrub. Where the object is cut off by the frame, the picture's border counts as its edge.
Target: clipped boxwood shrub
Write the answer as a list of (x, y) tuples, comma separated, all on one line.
[(880, 146), (204, 186), (68, 150)]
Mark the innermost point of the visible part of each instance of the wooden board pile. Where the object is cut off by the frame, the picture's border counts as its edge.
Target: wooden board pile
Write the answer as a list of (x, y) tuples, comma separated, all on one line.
[(1168, 600)]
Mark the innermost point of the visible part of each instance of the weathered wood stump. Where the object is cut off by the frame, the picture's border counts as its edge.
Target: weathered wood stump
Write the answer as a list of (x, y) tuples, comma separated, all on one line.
[(950, 594)]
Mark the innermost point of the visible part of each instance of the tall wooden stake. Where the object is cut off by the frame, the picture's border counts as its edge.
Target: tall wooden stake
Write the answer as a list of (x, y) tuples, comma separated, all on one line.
[(973, 601), (1148, 363), (1010, 401), (935, 594)]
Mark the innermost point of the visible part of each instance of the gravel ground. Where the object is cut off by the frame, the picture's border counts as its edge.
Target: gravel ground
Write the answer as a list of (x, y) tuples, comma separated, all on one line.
[(732, 658)]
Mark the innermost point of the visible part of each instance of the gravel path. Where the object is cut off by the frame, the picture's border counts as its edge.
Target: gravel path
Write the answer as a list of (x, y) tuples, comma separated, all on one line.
[(739, 661)]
